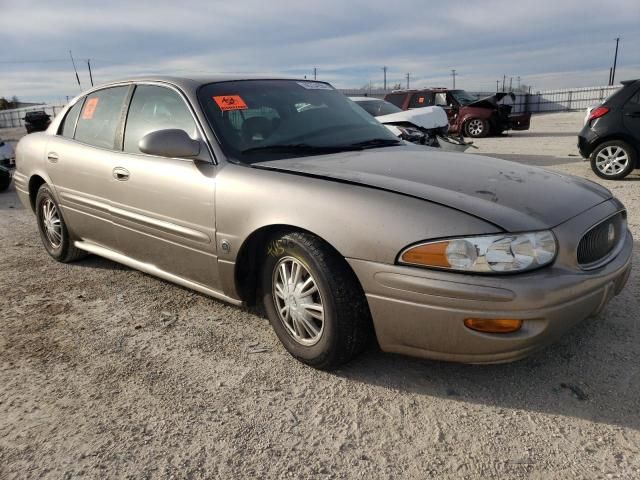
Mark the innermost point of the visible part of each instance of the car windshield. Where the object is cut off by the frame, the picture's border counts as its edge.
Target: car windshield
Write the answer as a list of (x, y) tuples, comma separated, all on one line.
[(260, 120), (378, 107), (463, 97)]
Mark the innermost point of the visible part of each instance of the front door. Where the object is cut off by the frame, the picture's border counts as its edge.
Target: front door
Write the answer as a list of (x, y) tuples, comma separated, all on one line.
[(631, 116), (163, 208)]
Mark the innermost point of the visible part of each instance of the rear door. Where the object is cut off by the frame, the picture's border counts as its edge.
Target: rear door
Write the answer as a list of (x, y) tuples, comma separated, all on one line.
[(79, 164), (163, 208), (631, 116)]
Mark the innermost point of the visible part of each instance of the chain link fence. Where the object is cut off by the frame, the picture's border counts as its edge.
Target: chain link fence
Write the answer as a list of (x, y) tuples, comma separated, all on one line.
[(15, 117), (546, 101)]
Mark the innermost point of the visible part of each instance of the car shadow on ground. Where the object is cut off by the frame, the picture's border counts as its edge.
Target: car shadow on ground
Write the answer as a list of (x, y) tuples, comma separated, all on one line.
[(592, 373), (540, 134)]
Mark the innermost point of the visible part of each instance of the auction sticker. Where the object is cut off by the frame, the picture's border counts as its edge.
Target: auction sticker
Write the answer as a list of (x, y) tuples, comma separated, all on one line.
[(230, 102), (315, 86), (90, 108)]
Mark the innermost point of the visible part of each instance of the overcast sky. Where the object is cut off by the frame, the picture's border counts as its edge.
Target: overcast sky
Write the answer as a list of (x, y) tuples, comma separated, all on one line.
[(548, 43)]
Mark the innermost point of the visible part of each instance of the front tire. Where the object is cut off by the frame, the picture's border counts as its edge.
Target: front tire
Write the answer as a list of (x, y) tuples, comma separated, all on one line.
[(613, 160), (476, 128), (53, 231), (314, 301)]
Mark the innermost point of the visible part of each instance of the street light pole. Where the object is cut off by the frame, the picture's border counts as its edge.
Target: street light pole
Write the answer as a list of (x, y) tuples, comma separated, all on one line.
[(384, 69), (453, 74)]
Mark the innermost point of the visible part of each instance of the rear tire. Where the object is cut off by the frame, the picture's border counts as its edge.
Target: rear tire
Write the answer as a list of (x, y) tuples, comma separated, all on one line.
[(613, 160), (476, 128), (5, 180), (314, 301), (53, 231)]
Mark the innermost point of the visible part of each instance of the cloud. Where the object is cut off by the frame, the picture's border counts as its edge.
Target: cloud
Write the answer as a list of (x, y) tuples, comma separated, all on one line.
[(549, 44)]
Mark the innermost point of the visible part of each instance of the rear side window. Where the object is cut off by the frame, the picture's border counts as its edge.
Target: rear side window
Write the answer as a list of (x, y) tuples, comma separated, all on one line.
[(155, 108), (635, 100), (421, 100), (100, 117), (69, 123), (396, 98)]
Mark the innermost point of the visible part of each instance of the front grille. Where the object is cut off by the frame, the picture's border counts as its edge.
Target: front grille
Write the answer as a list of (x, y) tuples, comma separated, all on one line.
[(601, 240)]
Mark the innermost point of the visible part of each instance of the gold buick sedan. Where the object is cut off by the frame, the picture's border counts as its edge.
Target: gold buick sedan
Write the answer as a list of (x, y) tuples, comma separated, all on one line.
[(286, 192)]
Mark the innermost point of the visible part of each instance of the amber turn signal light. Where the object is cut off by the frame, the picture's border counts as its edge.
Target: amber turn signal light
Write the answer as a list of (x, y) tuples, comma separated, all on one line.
[(431, 254), (493, 325)]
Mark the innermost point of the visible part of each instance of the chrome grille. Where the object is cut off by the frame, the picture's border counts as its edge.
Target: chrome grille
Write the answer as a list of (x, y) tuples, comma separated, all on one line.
[(601, 240)]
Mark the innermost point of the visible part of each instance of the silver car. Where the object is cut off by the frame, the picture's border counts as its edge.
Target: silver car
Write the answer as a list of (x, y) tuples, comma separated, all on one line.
[(285, 192)]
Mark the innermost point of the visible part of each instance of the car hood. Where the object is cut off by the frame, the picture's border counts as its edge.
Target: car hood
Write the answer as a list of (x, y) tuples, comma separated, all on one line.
[(491, 101), (511, 196), (426, 117)]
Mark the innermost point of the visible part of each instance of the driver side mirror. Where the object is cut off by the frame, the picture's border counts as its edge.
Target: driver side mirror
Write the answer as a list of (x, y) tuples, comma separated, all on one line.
[(172, 143)]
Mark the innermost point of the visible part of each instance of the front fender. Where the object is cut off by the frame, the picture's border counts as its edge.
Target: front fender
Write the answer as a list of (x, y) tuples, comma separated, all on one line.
[(358, 221)]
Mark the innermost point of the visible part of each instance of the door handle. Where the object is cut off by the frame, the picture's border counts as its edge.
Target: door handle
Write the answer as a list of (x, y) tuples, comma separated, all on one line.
[(52, 157), (633, 114), (121, 174)]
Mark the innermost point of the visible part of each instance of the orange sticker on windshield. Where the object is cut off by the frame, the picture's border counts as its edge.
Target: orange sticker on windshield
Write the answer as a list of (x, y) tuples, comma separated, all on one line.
[(230, 102), (90, 108)]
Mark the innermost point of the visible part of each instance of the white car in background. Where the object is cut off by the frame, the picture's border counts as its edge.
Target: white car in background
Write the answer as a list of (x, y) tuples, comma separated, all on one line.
[(426, 126), (7, 164)]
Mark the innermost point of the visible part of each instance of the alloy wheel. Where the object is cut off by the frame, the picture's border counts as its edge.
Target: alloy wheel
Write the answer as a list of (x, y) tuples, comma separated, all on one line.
[(612, 160), (298, 301), (475, 127), (51, 223)]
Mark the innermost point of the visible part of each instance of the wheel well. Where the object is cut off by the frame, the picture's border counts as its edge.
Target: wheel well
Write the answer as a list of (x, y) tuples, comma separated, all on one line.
[(250, 258), (622, 138), (35, 182)]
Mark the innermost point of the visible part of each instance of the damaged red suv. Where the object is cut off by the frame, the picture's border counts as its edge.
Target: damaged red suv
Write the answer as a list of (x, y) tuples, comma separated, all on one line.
[(467, 114)]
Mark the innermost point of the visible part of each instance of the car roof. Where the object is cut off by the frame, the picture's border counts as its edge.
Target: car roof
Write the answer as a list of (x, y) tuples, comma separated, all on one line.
[(194, 81)]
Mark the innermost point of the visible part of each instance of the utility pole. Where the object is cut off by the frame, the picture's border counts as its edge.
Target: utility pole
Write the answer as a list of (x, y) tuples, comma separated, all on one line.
[(497, 86), (504, 79), (510, 83), (384, 69), (453, 74), (315, 73), (90, 75), (615, 60), (518, 82), (408, 75), (75, 70)]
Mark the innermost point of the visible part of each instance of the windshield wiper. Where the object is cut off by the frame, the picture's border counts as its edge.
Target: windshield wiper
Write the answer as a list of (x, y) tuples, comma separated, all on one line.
[(376, 142), (310, 149), (296, 148)]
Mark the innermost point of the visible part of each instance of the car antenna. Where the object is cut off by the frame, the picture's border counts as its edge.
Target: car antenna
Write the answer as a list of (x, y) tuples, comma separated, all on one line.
[(75, 70)]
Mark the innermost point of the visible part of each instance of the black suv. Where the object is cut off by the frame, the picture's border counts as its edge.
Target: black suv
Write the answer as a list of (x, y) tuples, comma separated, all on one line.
[(611, 134), (36, 121)]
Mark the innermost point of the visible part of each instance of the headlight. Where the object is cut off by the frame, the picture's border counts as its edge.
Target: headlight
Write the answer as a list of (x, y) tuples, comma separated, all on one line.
[(486, 253)]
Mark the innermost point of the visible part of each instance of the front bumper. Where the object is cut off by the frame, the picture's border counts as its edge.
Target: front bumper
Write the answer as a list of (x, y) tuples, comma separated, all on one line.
[(420, 312)]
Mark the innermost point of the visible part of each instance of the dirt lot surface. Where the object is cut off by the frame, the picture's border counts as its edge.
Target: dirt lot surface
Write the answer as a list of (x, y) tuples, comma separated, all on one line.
[(109, 373)]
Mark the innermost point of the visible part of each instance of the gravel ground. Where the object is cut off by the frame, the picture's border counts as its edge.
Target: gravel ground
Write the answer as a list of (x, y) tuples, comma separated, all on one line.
[(109, 373)]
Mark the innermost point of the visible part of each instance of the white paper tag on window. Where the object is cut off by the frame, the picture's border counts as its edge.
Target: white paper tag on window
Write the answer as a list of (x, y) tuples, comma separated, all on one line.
[(315, 86)]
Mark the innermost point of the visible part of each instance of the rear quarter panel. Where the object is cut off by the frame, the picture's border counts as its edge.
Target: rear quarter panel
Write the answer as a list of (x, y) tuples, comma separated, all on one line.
[(30, 162)]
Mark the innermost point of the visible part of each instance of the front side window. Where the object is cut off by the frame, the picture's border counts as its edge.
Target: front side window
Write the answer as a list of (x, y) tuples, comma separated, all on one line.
[(155, 108), (100, 117), (68, 127), (463, 97), (259, 120)]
